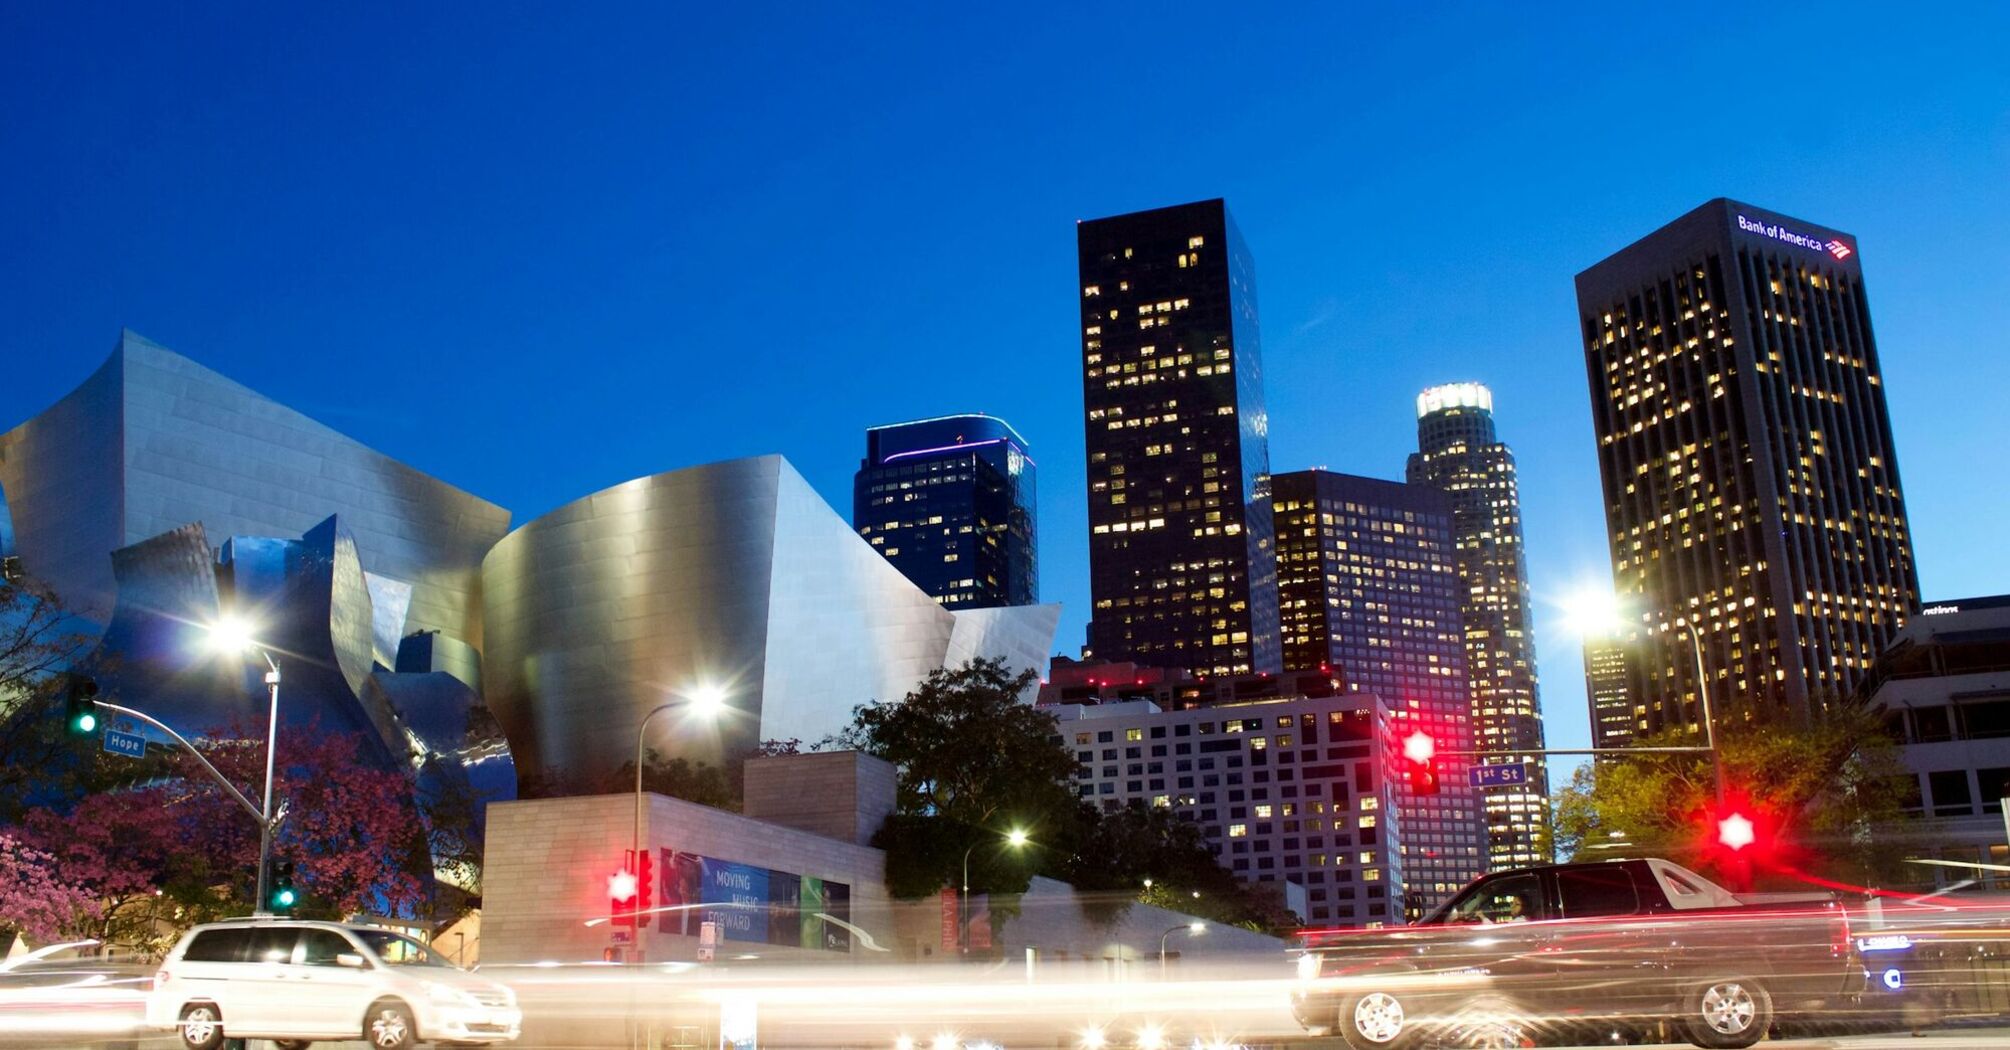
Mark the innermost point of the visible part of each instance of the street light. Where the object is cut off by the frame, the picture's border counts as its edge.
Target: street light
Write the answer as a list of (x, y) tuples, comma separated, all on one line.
[(1015, 838), (232, 635), (1193, 929), (1598, 612), (707, 702)]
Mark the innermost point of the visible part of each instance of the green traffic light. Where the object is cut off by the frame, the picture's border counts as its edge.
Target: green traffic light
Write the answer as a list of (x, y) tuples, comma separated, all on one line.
[(284, 898), (86, 723)]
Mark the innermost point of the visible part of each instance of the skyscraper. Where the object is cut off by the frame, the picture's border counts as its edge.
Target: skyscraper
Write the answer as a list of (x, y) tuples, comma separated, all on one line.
[(950, 502), (1751, 485), (1614, 721), (1181, 571), (1368, 585), (1458, 454)]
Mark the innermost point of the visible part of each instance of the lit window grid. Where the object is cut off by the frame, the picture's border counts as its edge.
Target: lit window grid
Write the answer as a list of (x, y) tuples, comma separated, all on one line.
[(1174, 426), (1794, 585), (1340, 867)]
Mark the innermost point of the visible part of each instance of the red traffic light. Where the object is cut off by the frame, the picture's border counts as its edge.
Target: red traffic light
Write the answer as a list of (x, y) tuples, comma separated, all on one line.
[(1735, 831), (621, 889), (644, 876), (1420, 761)]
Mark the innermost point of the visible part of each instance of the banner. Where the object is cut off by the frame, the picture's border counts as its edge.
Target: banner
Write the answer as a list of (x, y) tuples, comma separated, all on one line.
[(744, 890), (747, 903)]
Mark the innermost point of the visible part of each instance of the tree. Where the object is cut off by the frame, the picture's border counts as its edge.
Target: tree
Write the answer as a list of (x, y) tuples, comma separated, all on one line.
[(171, 838), (1822, 791), (36, 902), (970, 751), (38, 639)]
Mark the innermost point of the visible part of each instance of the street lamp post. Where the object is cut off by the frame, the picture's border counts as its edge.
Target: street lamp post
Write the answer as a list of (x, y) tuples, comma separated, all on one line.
[(707, 701), (1015, 839), (1703, 704), (1600, 612), (1193, 929), (234, 635)]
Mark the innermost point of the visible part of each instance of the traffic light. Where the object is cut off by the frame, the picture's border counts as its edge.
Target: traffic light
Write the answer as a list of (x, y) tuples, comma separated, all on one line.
[(1735, 831), (283, 895), (80, 712), (643, 898), (1420, 754), (621, 890)]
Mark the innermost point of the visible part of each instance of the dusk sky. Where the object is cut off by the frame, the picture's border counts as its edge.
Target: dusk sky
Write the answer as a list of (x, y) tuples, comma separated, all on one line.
[(542, 251)]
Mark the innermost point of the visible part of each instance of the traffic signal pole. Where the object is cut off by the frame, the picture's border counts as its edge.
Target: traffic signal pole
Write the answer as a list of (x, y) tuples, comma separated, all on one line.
[(190, 748)]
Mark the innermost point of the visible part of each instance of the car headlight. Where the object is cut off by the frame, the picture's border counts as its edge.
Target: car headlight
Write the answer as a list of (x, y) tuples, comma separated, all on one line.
[(449, 995), (1308, 966)]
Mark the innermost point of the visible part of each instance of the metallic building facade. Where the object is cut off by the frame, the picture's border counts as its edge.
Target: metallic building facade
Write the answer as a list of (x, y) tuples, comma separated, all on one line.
[(314, 612), (1459, 454), (1181, 571), (1369, 584), (153, 441), (1750, 478), (732, 576), (951, 503), (1290, 789)]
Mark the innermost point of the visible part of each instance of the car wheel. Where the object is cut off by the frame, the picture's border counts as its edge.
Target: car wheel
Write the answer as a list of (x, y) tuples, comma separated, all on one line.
[(388, 1026), (201, 1026), (1727, 1014), (1375, 1021)]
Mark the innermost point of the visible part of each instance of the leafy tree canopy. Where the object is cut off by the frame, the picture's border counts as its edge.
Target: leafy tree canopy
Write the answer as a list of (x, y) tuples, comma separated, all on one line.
[(1822, 794)]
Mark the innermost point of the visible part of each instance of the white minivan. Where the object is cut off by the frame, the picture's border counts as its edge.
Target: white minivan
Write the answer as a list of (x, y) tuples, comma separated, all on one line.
[(295, 982)]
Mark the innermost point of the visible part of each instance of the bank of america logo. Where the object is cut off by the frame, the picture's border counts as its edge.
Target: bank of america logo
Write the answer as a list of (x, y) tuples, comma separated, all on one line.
[(1839, 249)]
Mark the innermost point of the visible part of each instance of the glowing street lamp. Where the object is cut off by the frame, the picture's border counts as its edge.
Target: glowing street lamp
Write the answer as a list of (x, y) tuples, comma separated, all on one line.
[(708, 702), (234, 636), (1598, 612), (1193, 929), (1016, 838)]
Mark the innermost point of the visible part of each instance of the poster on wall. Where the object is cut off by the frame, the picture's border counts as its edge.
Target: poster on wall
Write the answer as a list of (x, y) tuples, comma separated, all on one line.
[(751, 904), (785, 891), (683, 891), (837, 904), (739, 895)]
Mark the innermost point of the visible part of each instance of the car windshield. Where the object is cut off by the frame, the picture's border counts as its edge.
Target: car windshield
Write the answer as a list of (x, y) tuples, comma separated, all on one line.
[(396, 950), (1496, 900)]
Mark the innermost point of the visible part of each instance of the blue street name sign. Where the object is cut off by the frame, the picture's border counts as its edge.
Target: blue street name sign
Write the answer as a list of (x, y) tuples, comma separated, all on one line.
[(1497, 776), (126, 744)]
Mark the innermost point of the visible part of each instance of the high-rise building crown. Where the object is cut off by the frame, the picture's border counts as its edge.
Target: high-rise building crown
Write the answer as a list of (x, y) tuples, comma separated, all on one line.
[(1454, 395)]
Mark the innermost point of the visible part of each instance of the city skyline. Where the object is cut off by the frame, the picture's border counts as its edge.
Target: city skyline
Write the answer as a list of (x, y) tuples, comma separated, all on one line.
[(1382, 280)]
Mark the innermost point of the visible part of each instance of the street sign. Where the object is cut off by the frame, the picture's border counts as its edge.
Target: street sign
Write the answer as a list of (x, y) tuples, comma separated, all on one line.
[(127, 744), (1498, 776)]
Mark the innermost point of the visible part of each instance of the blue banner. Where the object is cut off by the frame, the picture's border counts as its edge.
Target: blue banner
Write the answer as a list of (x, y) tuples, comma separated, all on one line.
[(744, 891)]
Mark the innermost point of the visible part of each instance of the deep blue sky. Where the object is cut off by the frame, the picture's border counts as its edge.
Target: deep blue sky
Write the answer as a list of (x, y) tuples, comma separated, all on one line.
[(537, 253)]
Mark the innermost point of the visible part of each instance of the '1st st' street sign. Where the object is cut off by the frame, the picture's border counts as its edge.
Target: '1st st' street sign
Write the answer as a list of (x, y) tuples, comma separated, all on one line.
[(1498, 776)]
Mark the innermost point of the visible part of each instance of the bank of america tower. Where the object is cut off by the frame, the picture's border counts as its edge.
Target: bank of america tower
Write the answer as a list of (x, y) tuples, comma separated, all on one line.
[(1750, 479), (1181, 567)]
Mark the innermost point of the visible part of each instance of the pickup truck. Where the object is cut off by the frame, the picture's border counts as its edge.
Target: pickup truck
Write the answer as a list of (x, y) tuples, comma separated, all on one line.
[(1532, 952)]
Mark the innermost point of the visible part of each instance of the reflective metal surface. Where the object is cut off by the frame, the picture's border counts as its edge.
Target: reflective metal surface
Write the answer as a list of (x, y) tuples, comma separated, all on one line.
[(734, 576), (153, 441)]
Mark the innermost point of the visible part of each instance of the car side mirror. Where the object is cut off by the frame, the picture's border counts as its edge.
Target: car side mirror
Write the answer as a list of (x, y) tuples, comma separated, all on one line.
[(351, 960)]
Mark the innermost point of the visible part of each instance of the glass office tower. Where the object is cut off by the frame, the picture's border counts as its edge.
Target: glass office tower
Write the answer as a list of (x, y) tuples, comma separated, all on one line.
[(1368, 587), (1750, 480), (1458, 454), (1181, 571), (950, 502)]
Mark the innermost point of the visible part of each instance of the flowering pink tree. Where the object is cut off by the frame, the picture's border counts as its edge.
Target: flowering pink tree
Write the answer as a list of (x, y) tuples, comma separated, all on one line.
[(38, 903), (176, 847)]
